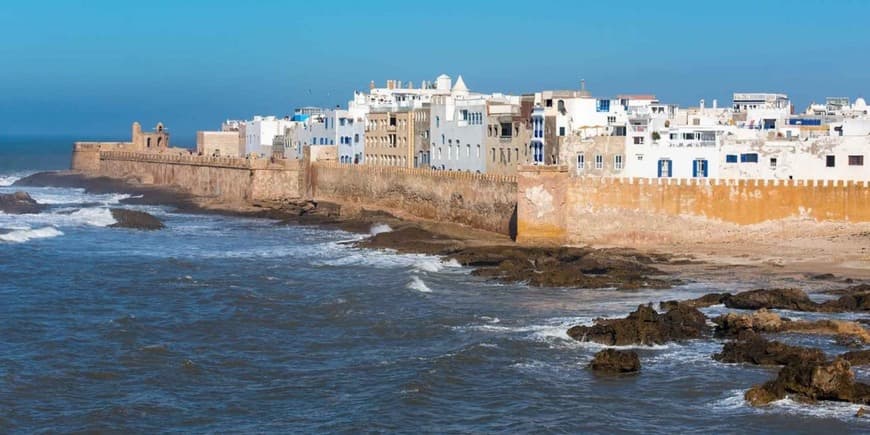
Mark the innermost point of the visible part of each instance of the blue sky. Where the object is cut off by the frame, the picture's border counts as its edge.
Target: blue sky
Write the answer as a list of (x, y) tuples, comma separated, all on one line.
[(89, 68)]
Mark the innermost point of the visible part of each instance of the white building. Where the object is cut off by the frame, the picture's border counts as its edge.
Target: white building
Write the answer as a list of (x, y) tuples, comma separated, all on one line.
[(261, 131), (457, 126)]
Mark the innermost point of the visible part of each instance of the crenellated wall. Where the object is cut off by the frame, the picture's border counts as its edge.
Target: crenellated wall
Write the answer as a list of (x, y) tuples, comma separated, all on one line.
[(230, 179), (479, 200), (541, 205), (555, 208)]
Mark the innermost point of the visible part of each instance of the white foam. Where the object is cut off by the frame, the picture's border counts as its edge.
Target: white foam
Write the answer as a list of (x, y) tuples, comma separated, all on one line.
[(418, 284), (23, 235), (380, 228), (429, 264), (8, 180), (97, 217)]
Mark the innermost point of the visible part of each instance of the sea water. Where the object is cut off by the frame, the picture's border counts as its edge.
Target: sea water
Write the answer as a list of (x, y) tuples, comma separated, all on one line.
[(226, 324)]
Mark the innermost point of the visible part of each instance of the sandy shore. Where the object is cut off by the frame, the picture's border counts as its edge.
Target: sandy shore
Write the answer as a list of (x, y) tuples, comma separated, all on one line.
[(815, 255)]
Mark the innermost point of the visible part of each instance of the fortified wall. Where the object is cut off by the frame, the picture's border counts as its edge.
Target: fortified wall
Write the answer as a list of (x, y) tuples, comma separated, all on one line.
[(555, 208), (541, 205), (483, 201)]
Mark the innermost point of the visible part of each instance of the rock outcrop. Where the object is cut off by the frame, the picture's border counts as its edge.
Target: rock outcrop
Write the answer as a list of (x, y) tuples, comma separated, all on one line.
[(615, 361), (136, 220), (645, 326), (763, 321), (19, 203), (785, 299), (752, 348), (702, 302), (810, 381)]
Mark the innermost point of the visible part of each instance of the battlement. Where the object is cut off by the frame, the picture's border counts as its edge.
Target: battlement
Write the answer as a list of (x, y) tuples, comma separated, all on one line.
[(421, 172)]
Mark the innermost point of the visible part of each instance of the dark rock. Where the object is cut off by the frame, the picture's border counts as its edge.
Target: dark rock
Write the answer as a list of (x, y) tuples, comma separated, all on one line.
[(563, 267), (811, 381), (133, 219), (644, 326), (19, 203), (785, 299), (701, 302), (823, 277), (615, 361), (751, 348), (857, 357), (847, 340)]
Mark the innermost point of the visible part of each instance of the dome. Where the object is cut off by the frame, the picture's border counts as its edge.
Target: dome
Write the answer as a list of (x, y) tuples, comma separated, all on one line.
[(860, 103)]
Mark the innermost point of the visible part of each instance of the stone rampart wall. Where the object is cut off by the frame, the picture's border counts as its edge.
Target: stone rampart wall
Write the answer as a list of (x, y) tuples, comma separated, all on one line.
[(481, 201), (555, 208), (232, 179)]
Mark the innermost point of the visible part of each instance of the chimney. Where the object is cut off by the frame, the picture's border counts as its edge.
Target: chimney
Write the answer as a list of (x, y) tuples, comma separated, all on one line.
[(701, 104), (372, 85), (715, 103), (582, 84)]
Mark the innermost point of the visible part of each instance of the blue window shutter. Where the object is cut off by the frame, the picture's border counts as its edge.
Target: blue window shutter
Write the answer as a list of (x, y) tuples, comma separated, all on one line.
[(694, 168), (660, 168), (704, 168)]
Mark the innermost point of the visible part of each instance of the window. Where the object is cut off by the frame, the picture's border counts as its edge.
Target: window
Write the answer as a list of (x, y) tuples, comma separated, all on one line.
[(665, 168), (506, 129), (478, 152), (464, 115), (561, 131), (856, 160), (581, 161), (830, 161), (617, 162), (638, 140), (749, 158), (731, 158), (611, 120), (699, 168), (437, 121), (639, 157), (468, 150), (773, 163), (548, 103), (602, 106), (599, 161), (356, 138)]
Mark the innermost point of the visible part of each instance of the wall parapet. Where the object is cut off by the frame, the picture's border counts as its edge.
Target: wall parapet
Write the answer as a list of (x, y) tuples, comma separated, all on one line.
[(426, 172), (180, 159)]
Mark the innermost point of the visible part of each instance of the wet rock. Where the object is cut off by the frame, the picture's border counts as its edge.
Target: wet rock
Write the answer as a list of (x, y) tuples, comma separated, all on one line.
[(564, 267), (707, 300), (811, 381), (785, 299), (861, 412), (752, 348), (734, 324), (644, 326), (855, 289), (19, 203), (615, 361), (136, 220), (856, 301), (857, 357), (847, 340)]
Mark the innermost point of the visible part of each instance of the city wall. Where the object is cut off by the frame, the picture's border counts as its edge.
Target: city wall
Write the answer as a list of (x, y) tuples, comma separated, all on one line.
[(481, 201), (226, 178), (554, 208), (541, 205)]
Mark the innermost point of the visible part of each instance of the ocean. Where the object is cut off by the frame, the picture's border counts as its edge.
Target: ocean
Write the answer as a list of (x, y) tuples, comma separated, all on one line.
[(228, 324)]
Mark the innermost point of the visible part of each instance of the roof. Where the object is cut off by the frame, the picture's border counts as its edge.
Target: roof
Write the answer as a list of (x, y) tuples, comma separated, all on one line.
[(460, 85)]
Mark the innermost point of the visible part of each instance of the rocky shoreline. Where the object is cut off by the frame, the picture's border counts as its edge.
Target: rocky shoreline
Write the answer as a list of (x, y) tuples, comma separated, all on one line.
[(491, 256), (747, 335)]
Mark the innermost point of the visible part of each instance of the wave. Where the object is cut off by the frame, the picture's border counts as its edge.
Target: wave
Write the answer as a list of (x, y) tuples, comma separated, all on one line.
[(418, 284), (8, 180), (380, 228), (24, 235), (97, 217)]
